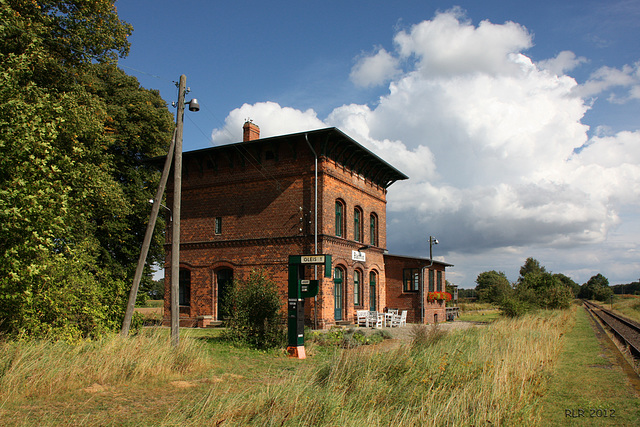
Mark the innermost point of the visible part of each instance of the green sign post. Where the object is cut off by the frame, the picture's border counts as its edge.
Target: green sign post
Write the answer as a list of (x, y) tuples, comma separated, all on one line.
[(299, 289)]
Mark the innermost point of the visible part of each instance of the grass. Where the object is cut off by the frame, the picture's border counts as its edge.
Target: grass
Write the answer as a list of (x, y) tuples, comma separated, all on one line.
[(588, 379), (478, 312), (627, 305), (493, 375)]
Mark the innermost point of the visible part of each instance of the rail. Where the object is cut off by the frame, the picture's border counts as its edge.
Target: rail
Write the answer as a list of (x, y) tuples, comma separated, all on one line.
[(626, 330)]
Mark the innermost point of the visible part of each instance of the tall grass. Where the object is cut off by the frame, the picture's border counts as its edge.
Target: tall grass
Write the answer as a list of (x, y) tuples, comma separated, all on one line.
[(42, 368), (495, 375)]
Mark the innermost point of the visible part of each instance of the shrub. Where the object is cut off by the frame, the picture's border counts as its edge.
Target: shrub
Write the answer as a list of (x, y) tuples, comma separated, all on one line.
[(514, 307), (256, 314)]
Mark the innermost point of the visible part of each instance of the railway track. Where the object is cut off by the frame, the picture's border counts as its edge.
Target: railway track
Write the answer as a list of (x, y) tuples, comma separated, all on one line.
[(626, 330)]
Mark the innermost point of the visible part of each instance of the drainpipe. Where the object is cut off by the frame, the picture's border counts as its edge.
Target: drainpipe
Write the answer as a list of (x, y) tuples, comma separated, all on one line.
[(432, 241), (315, 232)]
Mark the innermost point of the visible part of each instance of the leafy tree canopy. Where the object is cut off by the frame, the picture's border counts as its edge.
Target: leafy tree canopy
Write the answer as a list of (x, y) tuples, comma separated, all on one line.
[(72, 189), (597, 287), (492, 286), (531, 266)]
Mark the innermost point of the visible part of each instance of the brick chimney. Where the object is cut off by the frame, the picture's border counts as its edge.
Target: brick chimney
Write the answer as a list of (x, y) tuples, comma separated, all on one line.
[(250, 131)]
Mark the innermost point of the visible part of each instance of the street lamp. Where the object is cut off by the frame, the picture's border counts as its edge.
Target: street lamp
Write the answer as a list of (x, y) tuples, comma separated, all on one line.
[(432, 241), (177, 195)]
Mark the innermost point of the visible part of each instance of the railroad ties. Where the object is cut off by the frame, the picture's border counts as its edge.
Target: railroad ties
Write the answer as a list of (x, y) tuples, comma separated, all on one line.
[(626, 330)]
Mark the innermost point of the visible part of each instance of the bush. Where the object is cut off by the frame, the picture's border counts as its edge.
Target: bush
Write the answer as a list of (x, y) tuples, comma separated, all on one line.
[(514, 307), (256, 314)]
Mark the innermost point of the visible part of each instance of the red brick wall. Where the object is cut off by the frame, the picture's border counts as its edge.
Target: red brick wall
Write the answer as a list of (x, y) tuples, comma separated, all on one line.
[(266, 204), (398, 298)]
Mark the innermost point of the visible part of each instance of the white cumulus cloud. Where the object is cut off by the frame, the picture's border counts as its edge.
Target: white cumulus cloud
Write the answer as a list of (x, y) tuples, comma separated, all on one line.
[(499, 161), (375, 70)]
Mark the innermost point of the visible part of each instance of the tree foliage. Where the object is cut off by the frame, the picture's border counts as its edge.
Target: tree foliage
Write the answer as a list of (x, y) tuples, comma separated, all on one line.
[(537, 289), (597, 288), (493, 286), (71, 185)]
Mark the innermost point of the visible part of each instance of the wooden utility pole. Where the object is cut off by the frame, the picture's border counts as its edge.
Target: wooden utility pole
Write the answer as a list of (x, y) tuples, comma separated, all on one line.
[(175, 235), (133, 294)]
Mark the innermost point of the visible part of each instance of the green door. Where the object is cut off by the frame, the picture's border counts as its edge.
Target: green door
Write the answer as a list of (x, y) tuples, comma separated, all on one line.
[(337, 293), (372, 291)]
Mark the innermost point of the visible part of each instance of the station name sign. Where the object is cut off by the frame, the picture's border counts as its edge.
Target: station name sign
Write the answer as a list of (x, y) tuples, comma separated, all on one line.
[(312, 259)]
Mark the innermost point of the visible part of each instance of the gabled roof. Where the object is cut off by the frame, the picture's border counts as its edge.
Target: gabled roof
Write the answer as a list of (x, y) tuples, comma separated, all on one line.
[(331, 143)]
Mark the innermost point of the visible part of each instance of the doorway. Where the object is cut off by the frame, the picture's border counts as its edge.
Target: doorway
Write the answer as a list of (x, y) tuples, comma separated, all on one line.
[(224, 281)]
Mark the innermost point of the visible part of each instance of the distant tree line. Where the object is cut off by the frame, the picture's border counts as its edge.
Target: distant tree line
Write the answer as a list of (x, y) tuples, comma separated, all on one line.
[(632, 288), (537, 288)]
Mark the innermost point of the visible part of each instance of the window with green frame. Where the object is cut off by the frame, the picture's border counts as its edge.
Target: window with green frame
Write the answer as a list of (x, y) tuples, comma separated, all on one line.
[(356, 288), (357, 224), (339, 218), (440, 284), (411, 279), (431, 281), (373, 229)]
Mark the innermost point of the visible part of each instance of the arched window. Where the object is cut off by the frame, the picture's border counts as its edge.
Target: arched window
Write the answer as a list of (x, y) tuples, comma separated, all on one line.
[(357, 224), (372, 291), (184, 287), (339, 218), (357, 293), (373, 229)]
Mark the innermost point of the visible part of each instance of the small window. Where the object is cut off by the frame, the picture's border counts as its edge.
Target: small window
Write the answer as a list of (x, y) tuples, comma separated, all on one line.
[(356, 288), (218, 225), (373, 229), (440, 284), (339, 219), (357, 225), (431, 281), (411, 279)]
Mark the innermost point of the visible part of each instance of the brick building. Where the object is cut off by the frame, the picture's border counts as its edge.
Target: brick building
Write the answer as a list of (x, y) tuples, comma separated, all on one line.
[(250, 205)]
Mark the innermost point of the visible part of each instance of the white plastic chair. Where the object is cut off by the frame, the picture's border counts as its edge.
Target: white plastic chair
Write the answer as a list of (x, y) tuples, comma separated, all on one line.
[(403, 318), (375, 319), (361, 317)]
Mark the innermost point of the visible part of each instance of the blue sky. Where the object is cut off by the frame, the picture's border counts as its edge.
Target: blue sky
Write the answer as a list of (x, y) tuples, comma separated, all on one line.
[(517, 122)]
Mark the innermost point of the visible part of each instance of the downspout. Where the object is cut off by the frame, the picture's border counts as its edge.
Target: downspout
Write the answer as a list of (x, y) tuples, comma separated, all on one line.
[(423, 280), (315, 231)]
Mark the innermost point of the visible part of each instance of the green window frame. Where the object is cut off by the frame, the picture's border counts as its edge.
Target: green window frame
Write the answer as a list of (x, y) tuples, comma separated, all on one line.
[(339, 218), (357, 225), (356, 288), (217, 229), (373, 229), (440, 284), (411, 279)]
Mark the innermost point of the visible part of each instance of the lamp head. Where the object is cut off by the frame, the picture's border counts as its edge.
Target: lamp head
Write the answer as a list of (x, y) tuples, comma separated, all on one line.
[(193, 105)]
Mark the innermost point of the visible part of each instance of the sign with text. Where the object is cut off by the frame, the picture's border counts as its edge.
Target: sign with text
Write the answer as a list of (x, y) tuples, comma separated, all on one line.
[(358, 256), (312, 259)]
